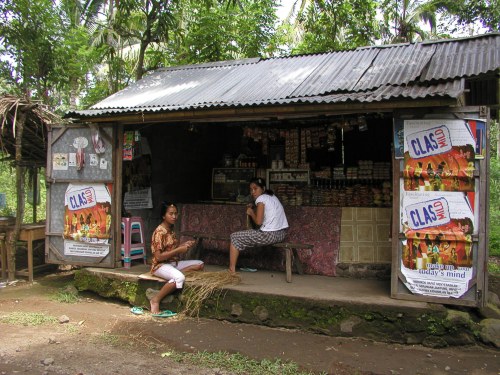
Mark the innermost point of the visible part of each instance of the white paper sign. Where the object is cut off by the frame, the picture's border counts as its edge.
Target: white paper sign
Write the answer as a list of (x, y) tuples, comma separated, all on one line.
[(438, 280), (82, 249), (72, 159), (138, 199), (94, 160)]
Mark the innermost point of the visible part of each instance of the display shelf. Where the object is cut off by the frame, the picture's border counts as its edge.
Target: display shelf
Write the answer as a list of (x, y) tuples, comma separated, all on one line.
[(287, 176), (231, 183)]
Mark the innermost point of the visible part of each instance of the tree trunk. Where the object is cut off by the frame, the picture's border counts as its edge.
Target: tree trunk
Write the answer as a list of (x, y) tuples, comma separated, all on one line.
[(140, 61), (73, 94), (13, 235)]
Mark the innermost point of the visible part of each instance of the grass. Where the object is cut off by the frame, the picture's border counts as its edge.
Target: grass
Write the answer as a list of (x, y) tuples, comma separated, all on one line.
[(108, 338), (28, 319), (237, 363), (64, 296)]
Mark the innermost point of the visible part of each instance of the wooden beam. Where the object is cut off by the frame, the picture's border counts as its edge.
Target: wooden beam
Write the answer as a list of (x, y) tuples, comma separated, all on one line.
[(265, 113)]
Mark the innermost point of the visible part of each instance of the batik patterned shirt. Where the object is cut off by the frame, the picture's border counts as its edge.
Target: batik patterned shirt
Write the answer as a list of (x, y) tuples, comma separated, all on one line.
[(161, 241)]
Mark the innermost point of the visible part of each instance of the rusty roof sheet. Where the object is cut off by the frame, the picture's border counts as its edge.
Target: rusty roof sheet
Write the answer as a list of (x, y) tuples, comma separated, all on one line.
[(367, 74)]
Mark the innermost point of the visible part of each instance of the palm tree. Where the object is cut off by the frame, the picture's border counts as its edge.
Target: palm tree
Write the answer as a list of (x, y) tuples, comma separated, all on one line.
[(408, 16), (81, 17)]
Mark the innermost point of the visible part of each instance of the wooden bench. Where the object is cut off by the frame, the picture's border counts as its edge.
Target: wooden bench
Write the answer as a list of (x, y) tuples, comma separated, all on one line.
[(290, 248)]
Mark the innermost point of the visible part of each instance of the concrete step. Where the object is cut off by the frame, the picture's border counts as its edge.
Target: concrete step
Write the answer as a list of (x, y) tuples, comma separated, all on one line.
[(335, 306)]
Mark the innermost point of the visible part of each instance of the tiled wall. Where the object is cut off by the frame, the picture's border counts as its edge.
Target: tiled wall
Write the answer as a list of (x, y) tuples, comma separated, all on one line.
[(365, 235)]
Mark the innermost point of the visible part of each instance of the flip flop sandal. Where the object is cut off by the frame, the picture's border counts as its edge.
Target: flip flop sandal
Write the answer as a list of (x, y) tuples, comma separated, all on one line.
[(137, 310), (164, 314), (247, 269)]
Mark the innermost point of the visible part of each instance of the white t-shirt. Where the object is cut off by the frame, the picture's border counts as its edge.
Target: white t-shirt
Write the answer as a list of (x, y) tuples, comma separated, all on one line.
[(274, 213)]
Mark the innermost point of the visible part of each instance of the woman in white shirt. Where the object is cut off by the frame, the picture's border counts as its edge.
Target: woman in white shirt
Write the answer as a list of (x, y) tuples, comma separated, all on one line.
[(268, 214)]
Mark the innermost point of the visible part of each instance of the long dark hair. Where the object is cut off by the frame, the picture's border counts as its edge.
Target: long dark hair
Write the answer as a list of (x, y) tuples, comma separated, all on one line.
[(164, 208), (260, 182)]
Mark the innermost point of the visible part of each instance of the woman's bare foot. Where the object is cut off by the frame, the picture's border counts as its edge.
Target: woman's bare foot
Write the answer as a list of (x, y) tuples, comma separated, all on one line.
[(155, 306)]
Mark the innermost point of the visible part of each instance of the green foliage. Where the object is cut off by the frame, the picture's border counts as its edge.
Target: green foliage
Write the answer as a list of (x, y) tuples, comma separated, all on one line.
[(494, 222), (74, 53), (486, 12), (8, 186), (216, 31), (30, 31), (494, 268), (328, 25), (404, 20), (237, 363)]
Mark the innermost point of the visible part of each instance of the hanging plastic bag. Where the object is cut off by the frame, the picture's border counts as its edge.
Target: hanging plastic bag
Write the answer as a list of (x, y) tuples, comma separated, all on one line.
[(97, 140)]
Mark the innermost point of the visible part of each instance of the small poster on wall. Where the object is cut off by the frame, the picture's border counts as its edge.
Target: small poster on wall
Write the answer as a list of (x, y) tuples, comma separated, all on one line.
[(87, 218), (138, 199), (478, 127), (60, 161)]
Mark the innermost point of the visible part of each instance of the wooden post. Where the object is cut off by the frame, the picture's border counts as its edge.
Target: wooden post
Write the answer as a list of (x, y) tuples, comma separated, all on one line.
[(14, 234), (34, 189)]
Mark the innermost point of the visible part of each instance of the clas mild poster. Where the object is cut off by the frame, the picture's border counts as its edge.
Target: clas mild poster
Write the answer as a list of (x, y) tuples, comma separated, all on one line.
[(87, 220), (437, 207)]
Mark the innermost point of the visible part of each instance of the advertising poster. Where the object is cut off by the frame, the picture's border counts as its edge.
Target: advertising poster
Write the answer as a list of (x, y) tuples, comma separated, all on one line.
[(437, 252), (87, 219), (439, 155), (437, 205)]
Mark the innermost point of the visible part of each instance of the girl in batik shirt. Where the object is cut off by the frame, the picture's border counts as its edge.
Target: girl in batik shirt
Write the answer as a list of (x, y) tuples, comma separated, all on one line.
[(166, 261)]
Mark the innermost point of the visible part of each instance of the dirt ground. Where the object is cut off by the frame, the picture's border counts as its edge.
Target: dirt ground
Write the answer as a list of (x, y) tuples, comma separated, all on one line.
[(102, 337)]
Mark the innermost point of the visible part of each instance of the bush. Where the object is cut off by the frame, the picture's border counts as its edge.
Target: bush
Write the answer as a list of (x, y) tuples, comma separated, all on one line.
[(8, 187), (494, 222)]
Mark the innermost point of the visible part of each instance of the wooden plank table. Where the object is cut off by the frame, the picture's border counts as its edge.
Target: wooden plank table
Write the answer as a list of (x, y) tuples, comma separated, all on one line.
[(28, 233)]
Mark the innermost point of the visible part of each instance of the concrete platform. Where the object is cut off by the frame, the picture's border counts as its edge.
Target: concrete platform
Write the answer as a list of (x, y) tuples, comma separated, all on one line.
[(329, 305)]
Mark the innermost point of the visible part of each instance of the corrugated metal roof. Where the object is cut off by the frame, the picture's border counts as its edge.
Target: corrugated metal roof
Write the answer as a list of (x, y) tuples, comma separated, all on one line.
[(464, 58), (368, 74)]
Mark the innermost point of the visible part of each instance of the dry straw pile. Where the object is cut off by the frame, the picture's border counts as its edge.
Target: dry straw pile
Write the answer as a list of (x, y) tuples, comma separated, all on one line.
[(201, 285)]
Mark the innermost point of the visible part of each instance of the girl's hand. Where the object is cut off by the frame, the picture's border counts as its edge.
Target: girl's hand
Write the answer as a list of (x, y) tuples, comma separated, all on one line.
[(250, 210), (186, 246)]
